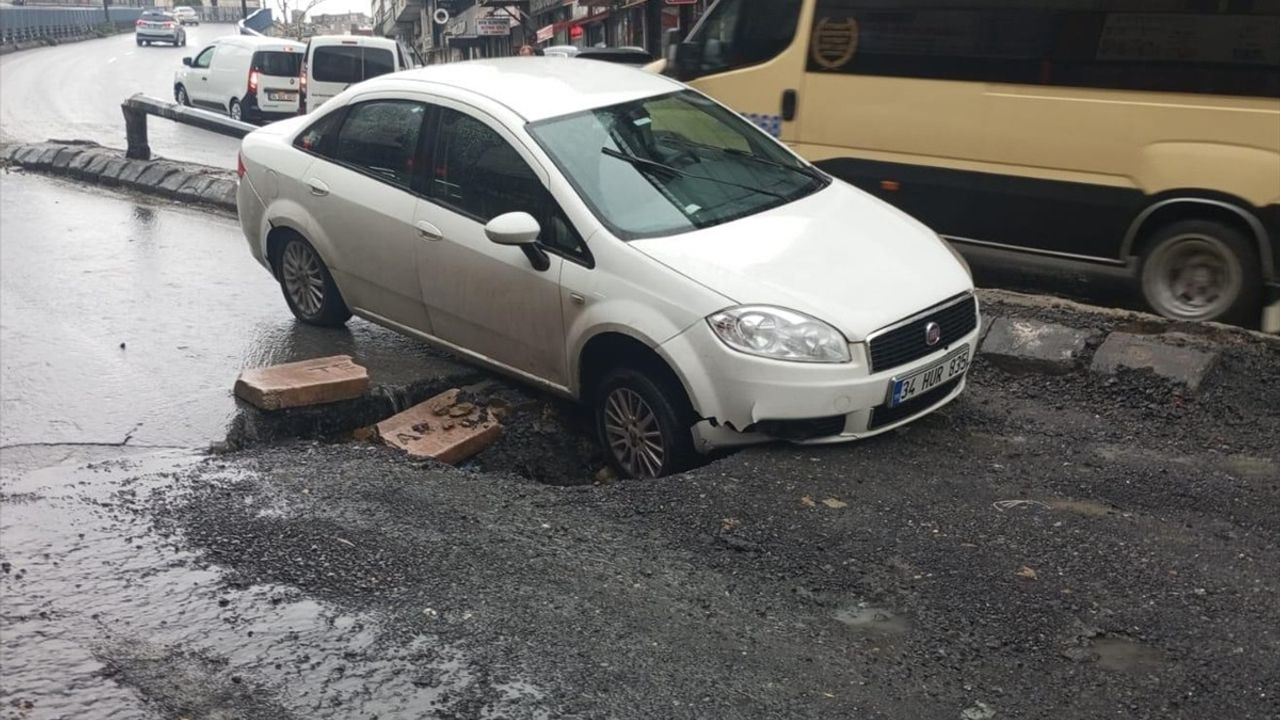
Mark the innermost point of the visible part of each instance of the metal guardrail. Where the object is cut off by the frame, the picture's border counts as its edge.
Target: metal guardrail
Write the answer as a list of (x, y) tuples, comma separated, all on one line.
[(137, 107), (19, 24)]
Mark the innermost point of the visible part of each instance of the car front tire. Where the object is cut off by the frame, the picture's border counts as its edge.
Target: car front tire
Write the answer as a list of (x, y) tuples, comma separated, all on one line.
[(1202, 270), (180, 96), (643, 423), (308, 287)]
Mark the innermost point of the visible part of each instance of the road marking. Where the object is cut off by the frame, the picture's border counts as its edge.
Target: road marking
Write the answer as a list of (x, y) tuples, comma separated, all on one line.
[(112, 60), (129, 53)]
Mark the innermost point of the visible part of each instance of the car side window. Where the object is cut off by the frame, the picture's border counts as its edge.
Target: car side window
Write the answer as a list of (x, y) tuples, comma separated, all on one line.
[(204, 58), (317, 138), (380, 138), (478, 173)]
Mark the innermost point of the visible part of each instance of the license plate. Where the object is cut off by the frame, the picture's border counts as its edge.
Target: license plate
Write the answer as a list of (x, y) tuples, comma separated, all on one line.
[(282, 96), (921, 381)]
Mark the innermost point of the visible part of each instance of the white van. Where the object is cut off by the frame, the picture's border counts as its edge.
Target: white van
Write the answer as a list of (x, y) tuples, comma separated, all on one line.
[(334, 62), (255, 79)]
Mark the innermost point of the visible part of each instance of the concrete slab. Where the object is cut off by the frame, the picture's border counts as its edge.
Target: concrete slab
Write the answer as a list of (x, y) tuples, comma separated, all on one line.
[(80, 163), (219, 191), (97, 164), (442, 429), (299, 384), (1170, 358), (1030, 345)]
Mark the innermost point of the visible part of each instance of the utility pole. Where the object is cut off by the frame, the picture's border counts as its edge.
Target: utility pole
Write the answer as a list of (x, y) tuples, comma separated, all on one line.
[(244, 10), (653, 26), (106, 10)]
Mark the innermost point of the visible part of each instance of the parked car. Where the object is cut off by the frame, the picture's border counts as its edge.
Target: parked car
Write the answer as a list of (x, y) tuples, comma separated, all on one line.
[(186, 15), (335, 62), (255, 79), (612, 236), (561, 51), (158, 26)]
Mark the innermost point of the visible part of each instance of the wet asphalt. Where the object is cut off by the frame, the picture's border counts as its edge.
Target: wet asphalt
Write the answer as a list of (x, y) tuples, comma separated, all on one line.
[(1082, 546), (74, 91)]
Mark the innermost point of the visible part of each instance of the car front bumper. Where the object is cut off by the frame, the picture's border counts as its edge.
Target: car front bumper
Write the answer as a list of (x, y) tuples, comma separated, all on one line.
[(746, 399)]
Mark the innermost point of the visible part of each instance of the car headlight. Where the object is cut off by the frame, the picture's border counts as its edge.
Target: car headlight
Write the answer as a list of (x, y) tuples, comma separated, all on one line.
[(779, 334), (956, 254)]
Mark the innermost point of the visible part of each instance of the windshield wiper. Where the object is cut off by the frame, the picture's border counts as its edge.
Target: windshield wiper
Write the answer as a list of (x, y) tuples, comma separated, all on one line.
[(654, 166), (801, 169)]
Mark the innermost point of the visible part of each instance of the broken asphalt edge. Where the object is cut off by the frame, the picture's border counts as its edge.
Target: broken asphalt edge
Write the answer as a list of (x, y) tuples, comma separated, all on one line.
[(89, 162)]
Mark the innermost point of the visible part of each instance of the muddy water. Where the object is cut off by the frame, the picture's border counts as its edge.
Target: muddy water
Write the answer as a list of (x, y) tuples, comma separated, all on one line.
[(104, 619)]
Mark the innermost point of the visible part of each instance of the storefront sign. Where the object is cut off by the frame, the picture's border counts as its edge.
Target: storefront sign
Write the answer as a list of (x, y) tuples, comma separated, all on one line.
[(493, 26), (546, 33)]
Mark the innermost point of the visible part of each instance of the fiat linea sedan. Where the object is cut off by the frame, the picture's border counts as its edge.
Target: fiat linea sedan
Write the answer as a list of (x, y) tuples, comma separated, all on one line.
[(615, 237)]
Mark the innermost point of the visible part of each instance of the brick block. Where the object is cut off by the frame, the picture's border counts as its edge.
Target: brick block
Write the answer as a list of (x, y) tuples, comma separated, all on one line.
[(442, 429), (298, 384), (1180, 363)]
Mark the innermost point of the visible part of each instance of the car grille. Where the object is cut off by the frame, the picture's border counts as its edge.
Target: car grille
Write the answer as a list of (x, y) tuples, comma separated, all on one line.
[(807, 429), (903, 344), (882, 415)]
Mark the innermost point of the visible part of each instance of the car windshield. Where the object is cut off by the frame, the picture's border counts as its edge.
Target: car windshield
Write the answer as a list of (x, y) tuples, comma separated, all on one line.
[(672, 163)]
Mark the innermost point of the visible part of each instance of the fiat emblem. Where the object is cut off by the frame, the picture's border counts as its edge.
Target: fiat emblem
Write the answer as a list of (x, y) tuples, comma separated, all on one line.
[(932, 334)]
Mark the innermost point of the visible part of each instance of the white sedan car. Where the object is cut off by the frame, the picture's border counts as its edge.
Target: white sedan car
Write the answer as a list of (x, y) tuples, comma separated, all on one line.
[(615, 237)]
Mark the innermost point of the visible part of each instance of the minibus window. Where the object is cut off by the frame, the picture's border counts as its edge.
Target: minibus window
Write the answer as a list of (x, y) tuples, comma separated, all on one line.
[(738, 33)]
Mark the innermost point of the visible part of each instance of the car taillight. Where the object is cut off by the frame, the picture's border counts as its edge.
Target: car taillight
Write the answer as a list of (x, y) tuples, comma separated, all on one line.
[(253, 81), (169, 25), (240, 165), (140, 23), (302, 91)]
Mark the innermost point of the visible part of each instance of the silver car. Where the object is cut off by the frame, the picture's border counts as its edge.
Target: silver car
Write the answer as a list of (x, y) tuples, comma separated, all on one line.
[(159, 26)]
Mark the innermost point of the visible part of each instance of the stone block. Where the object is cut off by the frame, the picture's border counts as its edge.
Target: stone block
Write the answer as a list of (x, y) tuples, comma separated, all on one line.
[(65, 156), (151, 178), (442, 429), (1030, 345), (97, 164), (299, 384), (169, 186), (132, 170), (221, 192), (1177, 362)]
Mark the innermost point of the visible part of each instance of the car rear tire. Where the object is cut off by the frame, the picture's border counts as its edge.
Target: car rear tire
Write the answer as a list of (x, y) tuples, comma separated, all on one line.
[(642, 424), (1202, 270), (308, 287), (138, 41), (180, 96), (233, 110)]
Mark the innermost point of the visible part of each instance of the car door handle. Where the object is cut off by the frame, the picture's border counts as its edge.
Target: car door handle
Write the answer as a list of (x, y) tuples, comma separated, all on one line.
[(427, 231), (318, 188)]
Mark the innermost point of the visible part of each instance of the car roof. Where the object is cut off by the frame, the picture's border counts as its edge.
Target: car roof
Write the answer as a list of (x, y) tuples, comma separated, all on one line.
[(366, 40), (537, 88), (261, 43)]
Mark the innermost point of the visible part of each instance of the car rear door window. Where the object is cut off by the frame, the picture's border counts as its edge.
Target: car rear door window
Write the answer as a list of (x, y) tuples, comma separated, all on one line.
[(380, 138), (349, 64), (277, 63), (477, 172)]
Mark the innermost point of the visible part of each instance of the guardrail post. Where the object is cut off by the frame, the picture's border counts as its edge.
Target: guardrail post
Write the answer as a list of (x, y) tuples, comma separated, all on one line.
[(135, 130)]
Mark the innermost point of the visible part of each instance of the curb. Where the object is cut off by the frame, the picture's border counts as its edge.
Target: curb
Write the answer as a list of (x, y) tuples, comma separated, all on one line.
[(8, 48), (90, 162)]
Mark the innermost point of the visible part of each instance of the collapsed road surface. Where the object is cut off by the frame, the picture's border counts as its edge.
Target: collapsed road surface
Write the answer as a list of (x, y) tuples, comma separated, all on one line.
[(1083, 545)]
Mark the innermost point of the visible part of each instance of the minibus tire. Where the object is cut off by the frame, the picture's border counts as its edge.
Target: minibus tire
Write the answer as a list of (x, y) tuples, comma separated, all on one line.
[(1188, 260)]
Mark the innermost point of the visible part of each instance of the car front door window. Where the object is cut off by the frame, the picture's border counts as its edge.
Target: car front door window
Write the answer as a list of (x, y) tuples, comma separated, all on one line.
[(480, 174), (203, 59)]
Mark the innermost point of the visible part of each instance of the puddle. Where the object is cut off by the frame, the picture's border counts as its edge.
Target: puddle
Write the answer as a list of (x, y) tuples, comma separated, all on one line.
[(873, 620), (1091, 508), (102, 617), (1120, 654)]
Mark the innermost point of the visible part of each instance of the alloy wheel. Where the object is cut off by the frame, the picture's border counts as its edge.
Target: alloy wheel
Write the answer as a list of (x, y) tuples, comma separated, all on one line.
[(634, 436), (303, 278)]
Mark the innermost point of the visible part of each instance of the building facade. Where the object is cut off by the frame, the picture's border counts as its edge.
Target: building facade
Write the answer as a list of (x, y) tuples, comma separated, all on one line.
[(453, 30)]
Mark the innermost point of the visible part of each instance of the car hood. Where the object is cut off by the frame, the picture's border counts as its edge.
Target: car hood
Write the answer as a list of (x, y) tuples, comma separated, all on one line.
[(839, 255)]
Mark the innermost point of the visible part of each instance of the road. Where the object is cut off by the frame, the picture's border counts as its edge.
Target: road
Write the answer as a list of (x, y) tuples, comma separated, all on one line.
[(74, 91), (1066, 547), (148, 309)]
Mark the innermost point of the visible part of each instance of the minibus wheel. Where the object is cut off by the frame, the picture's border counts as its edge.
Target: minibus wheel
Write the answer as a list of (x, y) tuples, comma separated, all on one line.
[(1202, 270)]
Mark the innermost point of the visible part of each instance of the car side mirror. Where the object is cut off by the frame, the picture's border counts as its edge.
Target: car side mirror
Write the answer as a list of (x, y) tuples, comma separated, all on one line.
[(186, 61), (521, 230)]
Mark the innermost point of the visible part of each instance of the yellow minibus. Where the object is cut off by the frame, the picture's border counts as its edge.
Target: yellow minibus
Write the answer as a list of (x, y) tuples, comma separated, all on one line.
[(1137, 135)]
